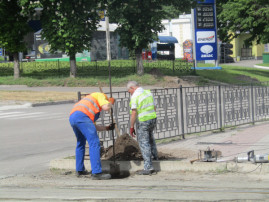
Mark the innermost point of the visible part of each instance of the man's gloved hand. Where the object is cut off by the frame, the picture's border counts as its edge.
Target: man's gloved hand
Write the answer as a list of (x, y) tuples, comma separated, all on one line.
[(132, 132), (111, 100), (110, 126)]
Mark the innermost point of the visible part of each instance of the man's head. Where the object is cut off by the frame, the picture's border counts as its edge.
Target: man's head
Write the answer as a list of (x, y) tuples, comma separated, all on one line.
[(132, 86)]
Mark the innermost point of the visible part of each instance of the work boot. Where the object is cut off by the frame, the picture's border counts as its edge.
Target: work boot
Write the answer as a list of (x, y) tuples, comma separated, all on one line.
[(145, 172), (84, 172), (101, 176)]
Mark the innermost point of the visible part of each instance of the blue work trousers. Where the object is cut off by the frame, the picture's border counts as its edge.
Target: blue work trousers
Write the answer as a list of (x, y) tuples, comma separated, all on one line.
[(85, 129)]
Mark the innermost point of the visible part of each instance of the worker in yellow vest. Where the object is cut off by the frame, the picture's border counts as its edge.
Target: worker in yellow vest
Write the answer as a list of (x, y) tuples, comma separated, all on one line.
[(143, 107), (82, 119)]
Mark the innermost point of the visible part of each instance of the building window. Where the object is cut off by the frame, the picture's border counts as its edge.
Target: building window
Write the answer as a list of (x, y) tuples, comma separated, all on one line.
[(266, 48)]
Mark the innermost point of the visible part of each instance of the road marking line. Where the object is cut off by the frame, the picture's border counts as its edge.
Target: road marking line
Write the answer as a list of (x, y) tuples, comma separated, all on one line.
[(21, 114)]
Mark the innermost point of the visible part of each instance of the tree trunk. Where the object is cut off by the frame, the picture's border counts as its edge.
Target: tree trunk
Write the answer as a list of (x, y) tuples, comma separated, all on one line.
[(139, 62), (16, 66), (73, 66)]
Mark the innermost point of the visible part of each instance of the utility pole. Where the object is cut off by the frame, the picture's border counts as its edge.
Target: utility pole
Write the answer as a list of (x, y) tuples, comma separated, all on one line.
[(107, 39)]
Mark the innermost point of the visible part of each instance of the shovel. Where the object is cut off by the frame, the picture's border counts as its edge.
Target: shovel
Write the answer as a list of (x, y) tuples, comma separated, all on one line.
[(116, 126)]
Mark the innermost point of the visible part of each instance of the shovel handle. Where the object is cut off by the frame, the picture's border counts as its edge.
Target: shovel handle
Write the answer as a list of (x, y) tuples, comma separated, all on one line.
[(191, 161), (116, 126)]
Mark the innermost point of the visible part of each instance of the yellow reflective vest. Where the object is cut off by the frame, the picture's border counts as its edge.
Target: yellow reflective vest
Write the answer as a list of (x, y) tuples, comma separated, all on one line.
[(145, 106)]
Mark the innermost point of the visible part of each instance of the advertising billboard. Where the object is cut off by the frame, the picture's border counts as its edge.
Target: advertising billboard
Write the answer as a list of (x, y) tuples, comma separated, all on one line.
[(188, 50), (42, 48)]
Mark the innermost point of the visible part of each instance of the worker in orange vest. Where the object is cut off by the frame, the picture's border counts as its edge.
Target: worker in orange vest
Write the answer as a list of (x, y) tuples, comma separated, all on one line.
[(82, 119)]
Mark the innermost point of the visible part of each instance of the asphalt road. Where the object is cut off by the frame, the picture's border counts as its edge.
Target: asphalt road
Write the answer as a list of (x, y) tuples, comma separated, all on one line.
[(31, 137), (177, 186)]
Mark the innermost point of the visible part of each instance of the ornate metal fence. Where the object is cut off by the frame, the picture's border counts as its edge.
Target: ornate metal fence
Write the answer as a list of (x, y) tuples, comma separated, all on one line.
[(187, 110), (201, 110), (261, 103)]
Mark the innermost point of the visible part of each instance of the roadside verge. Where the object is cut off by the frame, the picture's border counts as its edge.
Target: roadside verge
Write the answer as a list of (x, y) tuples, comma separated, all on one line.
[(171, 166)]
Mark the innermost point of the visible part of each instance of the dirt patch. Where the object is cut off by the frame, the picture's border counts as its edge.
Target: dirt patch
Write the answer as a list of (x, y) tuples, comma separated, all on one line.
[(247, 79), (156, 72), (189, 81), (35, 96), (174, 81), (178, 152), (127, 149)]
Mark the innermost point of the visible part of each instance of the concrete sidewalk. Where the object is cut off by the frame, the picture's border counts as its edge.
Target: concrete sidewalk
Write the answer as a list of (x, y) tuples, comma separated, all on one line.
[(231, 144)]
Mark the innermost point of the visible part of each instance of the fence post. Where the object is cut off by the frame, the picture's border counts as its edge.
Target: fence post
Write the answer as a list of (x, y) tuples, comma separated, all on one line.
[(252, 104), (79, 95), (194, 67), (95, 66), (173, 66), (134, 66), (181, 108), (58, 67), (21, 67), (220, 107)]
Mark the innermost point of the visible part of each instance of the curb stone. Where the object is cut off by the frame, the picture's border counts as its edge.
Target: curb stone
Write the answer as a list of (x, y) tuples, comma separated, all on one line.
[(261, 67), (171, 166), (53, 103), (28, 104)]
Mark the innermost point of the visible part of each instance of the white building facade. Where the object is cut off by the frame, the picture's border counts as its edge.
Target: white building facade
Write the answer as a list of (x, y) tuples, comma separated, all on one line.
[(181, 29)]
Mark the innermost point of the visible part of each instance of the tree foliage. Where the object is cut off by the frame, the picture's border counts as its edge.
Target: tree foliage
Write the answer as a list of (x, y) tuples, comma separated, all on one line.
[(68, 26), (140, 21), (243, 16), (13, 29)]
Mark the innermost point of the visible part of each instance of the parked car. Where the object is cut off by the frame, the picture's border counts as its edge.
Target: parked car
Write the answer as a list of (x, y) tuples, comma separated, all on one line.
[(30, 57)]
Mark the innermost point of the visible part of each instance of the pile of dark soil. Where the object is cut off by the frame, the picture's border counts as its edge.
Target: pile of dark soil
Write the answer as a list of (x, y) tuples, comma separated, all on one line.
[(126, 149)]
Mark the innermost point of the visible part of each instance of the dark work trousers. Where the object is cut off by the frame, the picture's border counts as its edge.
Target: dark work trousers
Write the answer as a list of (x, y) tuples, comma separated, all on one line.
[(147, 143)]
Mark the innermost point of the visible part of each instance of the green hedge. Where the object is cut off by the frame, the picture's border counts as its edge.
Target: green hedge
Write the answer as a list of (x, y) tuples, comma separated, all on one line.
[(96, 68)]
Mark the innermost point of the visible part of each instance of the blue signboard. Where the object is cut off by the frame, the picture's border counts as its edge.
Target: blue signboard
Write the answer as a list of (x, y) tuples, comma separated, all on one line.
[(205, 31), (1, 51), (102, 14)]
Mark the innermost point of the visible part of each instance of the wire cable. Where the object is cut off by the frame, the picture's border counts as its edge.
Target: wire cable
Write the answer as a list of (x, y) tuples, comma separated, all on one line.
[(246, 172)]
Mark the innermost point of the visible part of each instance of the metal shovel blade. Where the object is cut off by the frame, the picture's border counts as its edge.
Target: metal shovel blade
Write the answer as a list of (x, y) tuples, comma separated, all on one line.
[(114, 169)]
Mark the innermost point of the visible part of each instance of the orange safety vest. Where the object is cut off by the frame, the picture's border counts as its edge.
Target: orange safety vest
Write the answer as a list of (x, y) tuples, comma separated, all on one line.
[(88, 106)]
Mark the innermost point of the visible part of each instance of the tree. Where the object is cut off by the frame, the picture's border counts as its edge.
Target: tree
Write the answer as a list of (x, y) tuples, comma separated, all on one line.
[(13, 29), (244, 16), (140, 21), (68, 26)]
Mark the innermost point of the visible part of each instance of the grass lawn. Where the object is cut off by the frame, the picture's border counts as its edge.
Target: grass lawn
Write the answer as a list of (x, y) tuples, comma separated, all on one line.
[(235, 74), (228, 74)]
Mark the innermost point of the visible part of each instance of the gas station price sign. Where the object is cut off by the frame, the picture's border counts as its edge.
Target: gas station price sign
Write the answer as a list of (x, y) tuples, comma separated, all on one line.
[(205, 33), (205, 18)]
